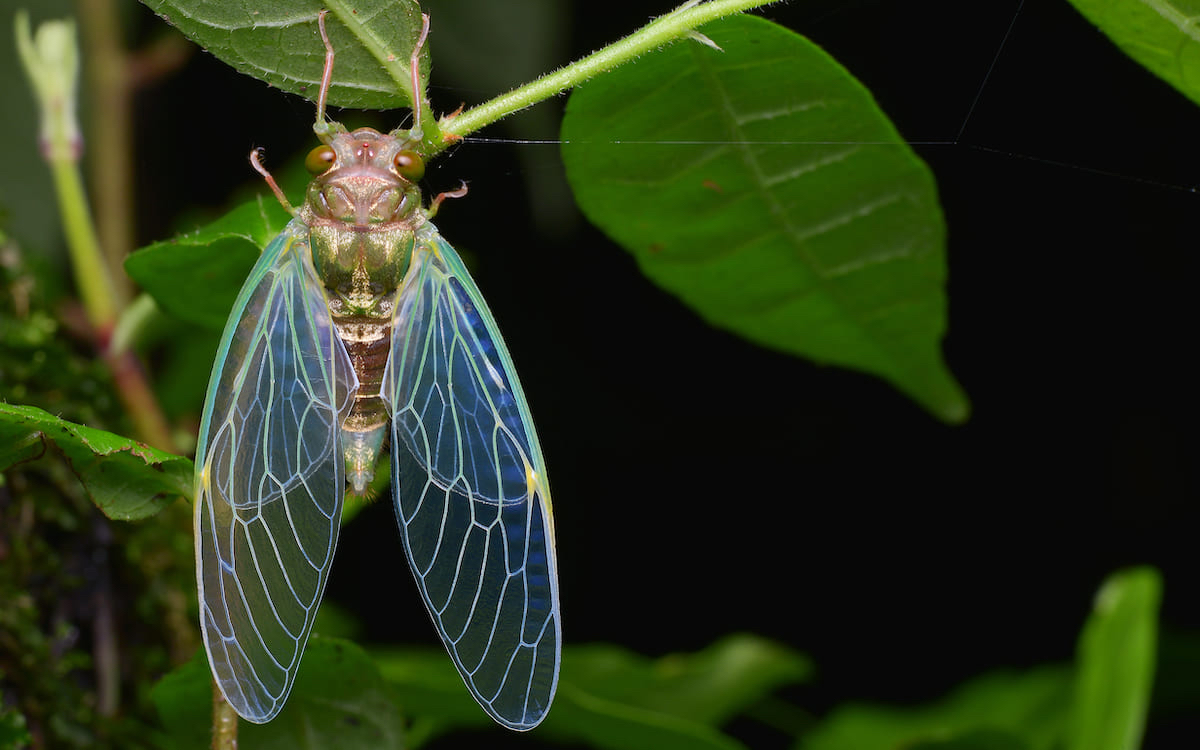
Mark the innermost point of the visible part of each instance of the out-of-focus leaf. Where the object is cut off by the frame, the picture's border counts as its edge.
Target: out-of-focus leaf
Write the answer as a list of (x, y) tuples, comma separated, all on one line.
[(764, 187), (126, 479), (1032, 706), (612, 698), (196, 276), (709, 686), (1160, 35), (977, 740), (183, 699), (428, 686), (1116, 663), (277, 41), (13, 734), (339, 700)]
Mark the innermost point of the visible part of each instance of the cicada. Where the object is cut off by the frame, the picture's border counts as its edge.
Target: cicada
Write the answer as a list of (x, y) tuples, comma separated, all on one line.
[(359, 327)]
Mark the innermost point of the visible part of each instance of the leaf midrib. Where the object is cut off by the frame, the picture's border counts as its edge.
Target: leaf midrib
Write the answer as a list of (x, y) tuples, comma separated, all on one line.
[(779, 215), (397, 69)]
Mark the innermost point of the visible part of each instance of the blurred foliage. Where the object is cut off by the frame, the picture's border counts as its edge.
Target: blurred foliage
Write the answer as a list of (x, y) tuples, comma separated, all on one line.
[(339, 700), (73, 584), (43, 362)]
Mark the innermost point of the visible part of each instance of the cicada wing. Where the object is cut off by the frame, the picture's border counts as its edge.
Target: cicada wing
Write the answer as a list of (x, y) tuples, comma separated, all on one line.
[(470, 488), (270, 477)]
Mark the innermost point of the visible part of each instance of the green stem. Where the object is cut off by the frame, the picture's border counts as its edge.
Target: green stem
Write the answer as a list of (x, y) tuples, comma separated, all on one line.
[(91, 273), (100, 300), (663, 30)]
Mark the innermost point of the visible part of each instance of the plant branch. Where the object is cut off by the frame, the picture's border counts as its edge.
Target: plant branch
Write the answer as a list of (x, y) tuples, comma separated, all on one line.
[(225, 722), (664, 30)]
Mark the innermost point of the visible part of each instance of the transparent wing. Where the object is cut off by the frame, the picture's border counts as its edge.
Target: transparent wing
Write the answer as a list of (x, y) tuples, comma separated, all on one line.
[(470, 489), (270, 477)]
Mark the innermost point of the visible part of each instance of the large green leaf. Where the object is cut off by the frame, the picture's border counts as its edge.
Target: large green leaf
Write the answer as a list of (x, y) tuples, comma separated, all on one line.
[(1116, 663), (1159, 34), (764, 187), (1026, 710), (196, 276), (126, 479), (339, 700), (277, 41), (609, 697)]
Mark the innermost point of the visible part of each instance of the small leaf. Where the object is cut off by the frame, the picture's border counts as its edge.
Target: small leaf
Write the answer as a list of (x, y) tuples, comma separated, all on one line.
[(339, 700), (277, 41), (127, 480), (1031, 706), (196, 276), (764, 187), (1116, 663), (1159, 35)]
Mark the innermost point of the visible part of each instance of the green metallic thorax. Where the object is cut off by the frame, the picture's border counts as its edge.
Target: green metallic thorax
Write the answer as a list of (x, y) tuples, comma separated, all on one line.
[(362, 217)]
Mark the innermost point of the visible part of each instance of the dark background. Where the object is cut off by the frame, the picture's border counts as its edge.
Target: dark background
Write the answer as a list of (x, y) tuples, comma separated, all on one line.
[(704, 485)]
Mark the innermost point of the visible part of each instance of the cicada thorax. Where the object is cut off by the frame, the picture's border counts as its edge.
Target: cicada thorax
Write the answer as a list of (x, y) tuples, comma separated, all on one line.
[(363, 210)]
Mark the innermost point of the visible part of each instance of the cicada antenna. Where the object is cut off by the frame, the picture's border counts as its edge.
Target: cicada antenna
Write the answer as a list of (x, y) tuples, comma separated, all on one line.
[(437, 201), (256, 162), (414, 64), (321, 126)]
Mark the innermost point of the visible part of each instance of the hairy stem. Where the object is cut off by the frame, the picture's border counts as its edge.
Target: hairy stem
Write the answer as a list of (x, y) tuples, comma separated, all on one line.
[(663, 30)]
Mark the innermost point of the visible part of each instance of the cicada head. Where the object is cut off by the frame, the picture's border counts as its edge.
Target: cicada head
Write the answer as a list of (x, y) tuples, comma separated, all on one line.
[(362, 209), (365, 180)]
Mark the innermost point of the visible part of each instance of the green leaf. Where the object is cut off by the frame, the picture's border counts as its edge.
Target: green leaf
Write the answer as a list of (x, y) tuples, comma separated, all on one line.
[(1158, 34), (1116, 663), (339, 700), (709, 686), (196, 276), (277, 41), (610, 697), (978, 740), (764, 187), (126, 479), (183, 698), (1032, 706)]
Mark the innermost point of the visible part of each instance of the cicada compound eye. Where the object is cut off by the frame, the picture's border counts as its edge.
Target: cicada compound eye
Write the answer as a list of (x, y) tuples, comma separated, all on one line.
[(320, 159), (410, 165)]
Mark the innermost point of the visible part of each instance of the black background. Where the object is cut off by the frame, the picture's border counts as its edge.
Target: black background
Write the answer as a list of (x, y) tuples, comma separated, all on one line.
[(703, 485)]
